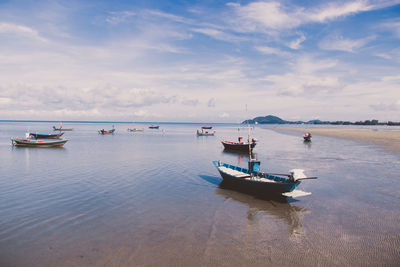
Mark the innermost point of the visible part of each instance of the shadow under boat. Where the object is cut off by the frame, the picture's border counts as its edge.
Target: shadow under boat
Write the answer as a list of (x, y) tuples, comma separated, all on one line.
[(278, 206)]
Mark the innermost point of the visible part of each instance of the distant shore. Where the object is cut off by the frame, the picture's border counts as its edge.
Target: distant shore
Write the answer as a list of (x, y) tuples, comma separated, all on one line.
[(388, 138)]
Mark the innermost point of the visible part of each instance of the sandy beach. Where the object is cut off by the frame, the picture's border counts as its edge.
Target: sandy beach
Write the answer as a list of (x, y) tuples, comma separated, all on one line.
[(387, 138)]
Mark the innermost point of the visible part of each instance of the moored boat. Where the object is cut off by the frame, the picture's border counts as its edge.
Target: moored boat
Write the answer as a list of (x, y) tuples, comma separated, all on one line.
[(307, 137), (62, 129), (102, 131), (205, 133), (240, 145), (38, 143), (45, 136), (154, 127), (135, 129), (255, 179)]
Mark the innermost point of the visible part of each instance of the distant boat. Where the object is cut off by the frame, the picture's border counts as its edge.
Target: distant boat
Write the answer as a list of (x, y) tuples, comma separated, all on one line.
[(102, 131), (154, 127), (135, 129), (206, 127), (45, 136), (252, 178), (307, 137), (205, 133), (240, 146), (62, 129), (38, 143)]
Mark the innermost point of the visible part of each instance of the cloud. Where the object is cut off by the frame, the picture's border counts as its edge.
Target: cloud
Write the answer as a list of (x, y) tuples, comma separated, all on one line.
[(224, 115), (119, 17), (271, 51), (211, 102), (296, 44), (338, 43), (386, 107), (218, 34), (264, 16), (307, 76), (391, 26), (20, 30)]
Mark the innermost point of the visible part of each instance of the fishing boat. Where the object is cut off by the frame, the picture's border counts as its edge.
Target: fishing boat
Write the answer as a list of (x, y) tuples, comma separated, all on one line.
[(252, 178), (38, 143), (307, 137), (205, 133), (154, 127), (62, 129), (102, 131), (206, 127), (135, 129), (255, 179), (240, 145), (45, 136)]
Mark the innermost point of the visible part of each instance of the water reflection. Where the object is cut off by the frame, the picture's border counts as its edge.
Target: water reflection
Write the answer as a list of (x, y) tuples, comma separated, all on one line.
[(242, 156), (276, 206)]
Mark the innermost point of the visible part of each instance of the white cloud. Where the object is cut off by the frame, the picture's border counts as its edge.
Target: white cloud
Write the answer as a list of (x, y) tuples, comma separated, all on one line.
[(264, 16), (224, 115), (338, 43), (21, 30), (271, 51), (296, 44), (119, 17)]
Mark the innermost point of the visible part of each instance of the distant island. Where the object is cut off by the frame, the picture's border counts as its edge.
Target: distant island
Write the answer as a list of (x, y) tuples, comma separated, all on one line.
[(270, 119)]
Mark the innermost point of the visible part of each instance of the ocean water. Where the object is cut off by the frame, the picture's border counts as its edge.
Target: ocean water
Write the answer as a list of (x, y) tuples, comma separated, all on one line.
[(154, 198)]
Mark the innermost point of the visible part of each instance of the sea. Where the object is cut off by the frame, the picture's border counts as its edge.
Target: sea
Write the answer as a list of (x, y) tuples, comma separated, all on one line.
[(154, 198)]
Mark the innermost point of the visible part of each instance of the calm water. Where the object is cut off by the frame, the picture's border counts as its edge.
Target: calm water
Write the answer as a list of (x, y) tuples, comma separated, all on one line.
[(155, 199)]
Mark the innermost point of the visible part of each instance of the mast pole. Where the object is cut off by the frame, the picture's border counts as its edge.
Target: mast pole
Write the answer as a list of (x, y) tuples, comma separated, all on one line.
[(248, 134)]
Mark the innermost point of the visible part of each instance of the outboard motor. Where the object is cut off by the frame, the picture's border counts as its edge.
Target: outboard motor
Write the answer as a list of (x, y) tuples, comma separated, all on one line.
[(254, 166)]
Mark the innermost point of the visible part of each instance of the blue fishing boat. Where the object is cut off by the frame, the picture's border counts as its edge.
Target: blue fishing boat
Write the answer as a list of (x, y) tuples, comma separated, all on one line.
[(102, 131), (254, 178), (205, 133), (154, 127)]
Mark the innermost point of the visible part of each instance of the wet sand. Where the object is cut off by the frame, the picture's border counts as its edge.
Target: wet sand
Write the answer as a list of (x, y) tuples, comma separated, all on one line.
[(387, 138)]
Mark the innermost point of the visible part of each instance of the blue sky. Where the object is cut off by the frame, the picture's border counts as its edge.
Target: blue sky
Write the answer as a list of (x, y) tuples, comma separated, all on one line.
[(195, 61)]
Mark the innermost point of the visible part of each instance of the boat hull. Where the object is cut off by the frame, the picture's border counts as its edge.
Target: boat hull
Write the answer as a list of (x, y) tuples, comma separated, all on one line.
[(38, 143), (106, 132), (46, 136), (254, 184), (238, 146)]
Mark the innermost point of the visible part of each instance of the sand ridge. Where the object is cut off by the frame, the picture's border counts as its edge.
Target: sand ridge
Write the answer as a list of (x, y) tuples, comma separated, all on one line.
[(388, 138)]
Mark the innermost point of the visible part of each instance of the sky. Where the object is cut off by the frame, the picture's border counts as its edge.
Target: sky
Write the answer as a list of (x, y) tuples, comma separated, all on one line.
[(199, 61)]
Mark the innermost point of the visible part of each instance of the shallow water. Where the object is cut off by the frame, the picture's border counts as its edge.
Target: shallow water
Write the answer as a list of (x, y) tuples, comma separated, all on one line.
[(154, 198)]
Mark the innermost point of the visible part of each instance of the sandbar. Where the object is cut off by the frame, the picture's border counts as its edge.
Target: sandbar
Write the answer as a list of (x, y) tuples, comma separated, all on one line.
[(387, 138)]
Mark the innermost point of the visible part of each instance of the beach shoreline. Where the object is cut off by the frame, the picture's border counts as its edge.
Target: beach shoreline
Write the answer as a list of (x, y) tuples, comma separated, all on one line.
[(389, 139)]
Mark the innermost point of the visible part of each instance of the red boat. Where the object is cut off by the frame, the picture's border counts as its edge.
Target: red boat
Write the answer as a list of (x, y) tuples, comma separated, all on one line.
[(240, 145)]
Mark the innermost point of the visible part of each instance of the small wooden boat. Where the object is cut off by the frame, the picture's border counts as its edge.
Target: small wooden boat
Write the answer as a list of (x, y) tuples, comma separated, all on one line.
[(255, 179), (239, 146), (205, 133), (102, 131), (62, 129), (307, 137), (135, 129), (45, 136), (206, 127), (154, 127), (38, 143)]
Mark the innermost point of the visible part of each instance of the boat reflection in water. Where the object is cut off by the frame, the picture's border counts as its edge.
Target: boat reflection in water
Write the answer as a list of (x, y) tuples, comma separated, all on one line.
[(259, 204), (242, 156), (276, 206)]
